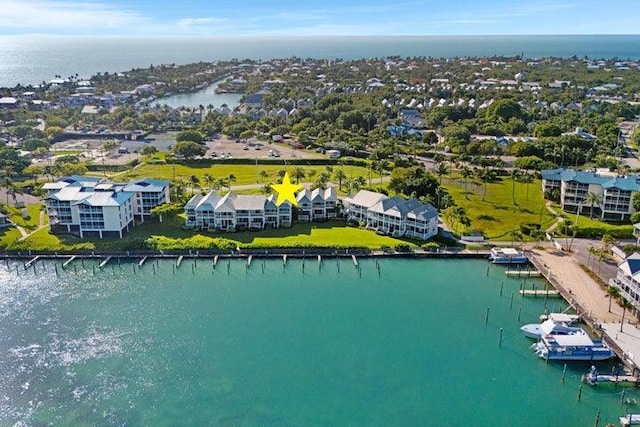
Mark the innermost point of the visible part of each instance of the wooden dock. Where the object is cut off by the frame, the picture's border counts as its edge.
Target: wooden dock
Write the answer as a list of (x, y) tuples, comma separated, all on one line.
[(69, 261), (141, 262), (539, 292), (105, 262), (32, 262), (523, 273), (616, 379)]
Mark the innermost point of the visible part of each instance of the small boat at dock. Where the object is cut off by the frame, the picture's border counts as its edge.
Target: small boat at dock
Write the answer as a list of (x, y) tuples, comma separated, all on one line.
[(576, 346), (555, 324), (507, 256)]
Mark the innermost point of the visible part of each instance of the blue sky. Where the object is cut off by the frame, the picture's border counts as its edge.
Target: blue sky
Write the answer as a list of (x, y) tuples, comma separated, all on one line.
[(312, 17)]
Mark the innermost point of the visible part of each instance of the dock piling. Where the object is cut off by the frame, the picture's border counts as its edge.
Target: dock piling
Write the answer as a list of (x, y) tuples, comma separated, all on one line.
[(519, 312), (500, 341), (511, 302), (501, 287), (486, 317), (579, 392), (564, 372)]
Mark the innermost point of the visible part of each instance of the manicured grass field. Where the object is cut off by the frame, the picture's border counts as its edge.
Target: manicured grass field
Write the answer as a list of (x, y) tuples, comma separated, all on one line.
[(300, 235), (32, 220), (497, 215), (245, 174), (315, 234)]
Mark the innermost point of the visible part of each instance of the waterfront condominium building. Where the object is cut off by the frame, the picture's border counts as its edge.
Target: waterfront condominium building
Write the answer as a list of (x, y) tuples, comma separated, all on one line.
[(233, 212), (392, 215), (614, 191), (81, 205), (317, 205), (628, 280)]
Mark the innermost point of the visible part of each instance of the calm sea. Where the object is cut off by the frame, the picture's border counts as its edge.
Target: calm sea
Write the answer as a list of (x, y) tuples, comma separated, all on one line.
[(33, 59), (267, 346)]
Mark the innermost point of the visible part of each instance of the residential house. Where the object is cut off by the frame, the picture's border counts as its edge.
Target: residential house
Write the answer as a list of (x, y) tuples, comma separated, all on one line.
[(615, 191), (393, 215)]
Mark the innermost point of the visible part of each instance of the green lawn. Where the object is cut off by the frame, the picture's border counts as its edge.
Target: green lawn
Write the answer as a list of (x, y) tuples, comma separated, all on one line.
[(245, 174), (31, 222), (497, 215), (328, 234), (324, 234), (8, 236)]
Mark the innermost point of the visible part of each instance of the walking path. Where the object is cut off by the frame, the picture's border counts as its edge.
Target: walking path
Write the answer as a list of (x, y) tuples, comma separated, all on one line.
[(559, 219)]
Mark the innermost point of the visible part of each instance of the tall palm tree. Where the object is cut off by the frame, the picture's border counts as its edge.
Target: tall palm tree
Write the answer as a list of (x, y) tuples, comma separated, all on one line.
[(626, 305), (514, 174), (298, 173), (526, 179), (466, 173), (209, 180), (339, 176), (612, 292), (194, 181), (592, 199)]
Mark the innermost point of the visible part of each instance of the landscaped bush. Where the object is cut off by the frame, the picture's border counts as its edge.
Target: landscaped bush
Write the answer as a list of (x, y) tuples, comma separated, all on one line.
[(430, 246), (195, 242), (529, 228), (619, 232)]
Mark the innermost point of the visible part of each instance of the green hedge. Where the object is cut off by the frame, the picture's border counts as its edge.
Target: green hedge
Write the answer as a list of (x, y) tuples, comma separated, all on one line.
[(274, 161), (621, 232), (194, 242)]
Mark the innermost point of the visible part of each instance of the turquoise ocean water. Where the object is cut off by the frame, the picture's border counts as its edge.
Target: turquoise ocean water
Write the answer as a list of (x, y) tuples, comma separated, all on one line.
[(33, 59), (267, 346)]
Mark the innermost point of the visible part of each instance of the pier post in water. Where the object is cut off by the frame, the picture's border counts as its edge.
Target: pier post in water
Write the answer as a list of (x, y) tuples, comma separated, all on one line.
[(580, 393), (486, 317), (501, 287), (519, 312), (500, 341), (564, 372), (511, 302)]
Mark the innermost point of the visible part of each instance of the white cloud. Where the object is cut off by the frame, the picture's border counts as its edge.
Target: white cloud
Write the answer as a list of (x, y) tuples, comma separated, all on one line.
[(65, 16)]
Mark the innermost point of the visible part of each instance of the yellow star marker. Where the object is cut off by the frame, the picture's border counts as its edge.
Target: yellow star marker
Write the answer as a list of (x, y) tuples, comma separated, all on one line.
[(286, 191)]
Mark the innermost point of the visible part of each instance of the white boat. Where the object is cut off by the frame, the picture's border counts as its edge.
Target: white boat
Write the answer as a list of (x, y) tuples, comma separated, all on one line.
[(576, 346), (507, 256), (630, 420), (555, 324)]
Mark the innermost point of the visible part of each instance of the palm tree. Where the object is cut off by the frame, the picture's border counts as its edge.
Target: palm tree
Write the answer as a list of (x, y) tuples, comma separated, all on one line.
[(514, 174), (265, 189), (194, 181), (612, 292), (298, 173), (232, 179), (526, 179), (466, 173), (592, 199), (209, 180), (486, 175), (263, 174), (339, 176), (626, 305)]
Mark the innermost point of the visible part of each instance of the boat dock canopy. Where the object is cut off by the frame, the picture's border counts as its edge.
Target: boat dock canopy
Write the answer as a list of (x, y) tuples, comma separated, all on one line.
[(574, 340)]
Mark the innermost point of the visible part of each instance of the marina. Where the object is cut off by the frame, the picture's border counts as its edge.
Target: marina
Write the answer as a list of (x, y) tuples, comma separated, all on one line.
[(539, 292), (575, 346), (237, 334)]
